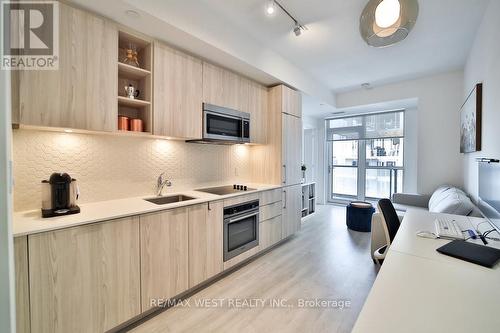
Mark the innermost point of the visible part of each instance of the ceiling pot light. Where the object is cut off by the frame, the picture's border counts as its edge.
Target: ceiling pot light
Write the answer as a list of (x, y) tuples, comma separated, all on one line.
[(132, 14), (387, 22), (366, 86)]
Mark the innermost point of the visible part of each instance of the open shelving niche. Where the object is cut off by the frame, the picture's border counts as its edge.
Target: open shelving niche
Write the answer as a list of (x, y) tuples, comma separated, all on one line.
[(308, 199), (140, 77)]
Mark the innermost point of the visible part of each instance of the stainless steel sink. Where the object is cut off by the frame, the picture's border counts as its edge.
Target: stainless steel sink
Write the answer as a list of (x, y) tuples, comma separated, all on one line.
[(169, 199)]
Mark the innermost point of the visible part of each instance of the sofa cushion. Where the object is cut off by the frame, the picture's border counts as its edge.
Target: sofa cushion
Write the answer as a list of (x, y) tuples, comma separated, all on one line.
[(450, 200), (404, 208)]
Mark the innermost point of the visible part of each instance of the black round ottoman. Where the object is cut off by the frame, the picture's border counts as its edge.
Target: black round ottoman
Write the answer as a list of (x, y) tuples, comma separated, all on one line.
[(359, 216)]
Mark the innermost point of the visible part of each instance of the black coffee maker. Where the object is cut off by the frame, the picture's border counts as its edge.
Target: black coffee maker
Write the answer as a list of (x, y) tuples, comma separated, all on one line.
[(59, 195)]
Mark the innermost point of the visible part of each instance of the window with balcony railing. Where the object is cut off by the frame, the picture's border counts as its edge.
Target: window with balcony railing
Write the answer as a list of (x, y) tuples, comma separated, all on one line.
[(366, 155)]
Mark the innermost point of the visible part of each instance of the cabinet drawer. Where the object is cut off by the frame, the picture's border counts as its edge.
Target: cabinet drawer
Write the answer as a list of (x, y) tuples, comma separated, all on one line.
[(268, 212), (241, 199), (270, 232), (269, 197)]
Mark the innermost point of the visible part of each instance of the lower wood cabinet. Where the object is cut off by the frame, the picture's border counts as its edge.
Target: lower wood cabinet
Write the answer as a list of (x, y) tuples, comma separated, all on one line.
[(164, 256), (22, 284), (86, 278), (292, 205), (270, 232), (205, 241), (94, 277)]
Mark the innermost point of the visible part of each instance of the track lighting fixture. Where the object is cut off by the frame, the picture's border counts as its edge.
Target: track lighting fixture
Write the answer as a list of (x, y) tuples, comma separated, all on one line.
[(271, 7)]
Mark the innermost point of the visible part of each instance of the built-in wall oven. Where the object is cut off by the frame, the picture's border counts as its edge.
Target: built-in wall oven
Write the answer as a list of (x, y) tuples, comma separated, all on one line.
[(241, 228), (223, 124)]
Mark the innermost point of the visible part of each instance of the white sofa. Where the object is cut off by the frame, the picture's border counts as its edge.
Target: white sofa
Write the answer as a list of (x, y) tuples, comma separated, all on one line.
[(445, 199)]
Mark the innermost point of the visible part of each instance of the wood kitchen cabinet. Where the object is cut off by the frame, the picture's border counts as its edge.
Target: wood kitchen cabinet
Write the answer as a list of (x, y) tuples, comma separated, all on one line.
[(253, 99), (292, 205), (178, 93), (22, 284), (205, 241), (86, 278), (280, 160), (270, 232), (291, 150), (221, 87), (164, 255), (81, 94), (291, 101)]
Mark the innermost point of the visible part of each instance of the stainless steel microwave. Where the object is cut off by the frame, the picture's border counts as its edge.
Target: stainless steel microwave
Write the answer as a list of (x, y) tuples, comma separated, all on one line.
[(225, 125)]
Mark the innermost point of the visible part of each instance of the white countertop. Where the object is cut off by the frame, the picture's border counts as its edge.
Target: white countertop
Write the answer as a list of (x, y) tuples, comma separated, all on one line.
[(31, 222), (421, 290)]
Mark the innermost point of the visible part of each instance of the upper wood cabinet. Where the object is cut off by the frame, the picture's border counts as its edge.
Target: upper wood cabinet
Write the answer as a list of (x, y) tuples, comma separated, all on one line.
[(164, 255), (205, 241), (177, 93), (82, 93), (291, 149), (86, 278), (253, 99), (221, 87), (291, 101)]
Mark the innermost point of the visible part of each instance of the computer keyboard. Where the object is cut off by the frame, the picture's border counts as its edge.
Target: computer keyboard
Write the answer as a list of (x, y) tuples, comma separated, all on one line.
[(448, 229)]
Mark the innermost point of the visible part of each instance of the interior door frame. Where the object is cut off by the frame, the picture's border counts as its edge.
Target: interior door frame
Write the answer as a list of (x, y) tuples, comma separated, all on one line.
[(7, 285)]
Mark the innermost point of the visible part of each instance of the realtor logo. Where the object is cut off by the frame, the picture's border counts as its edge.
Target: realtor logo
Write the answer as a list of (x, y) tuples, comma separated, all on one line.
[(30, 35)]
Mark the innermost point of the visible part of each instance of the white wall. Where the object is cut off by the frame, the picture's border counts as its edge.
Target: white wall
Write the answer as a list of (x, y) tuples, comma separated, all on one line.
[(438, 159), (483, 66)]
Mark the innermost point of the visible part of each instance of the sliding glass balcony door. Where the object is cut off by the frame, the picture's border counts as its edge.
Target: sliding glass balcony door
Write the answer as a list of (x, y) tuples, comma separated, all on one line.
[(365, 156)]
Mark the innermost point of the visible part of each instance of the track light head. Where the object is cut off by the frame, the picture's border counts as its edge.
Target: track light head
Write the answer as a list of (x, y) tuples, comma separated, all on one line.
[(297, 30), (270, 8)]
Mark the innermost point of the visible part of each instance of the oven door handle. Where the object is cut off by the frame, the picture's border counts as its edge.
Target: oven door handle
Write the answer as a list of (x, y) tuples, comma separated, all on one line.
[(242, 217)]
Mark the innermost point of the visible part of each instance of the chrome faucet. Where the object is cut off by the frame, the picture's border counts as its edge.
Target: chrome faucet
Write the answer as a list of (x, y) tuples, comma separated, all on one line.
[(161, 183)]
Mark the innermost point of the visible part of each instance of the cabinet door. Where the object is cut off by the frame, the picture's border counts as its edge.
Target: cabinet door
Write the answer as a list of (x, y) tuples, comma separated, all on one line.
[(292, 102), (221, 87), (257, 107), (292, 200), (22, 284), (164, 256), (270, 232), (291, 149), (177, 93), (82, 92), (205, 241), (85, 279)]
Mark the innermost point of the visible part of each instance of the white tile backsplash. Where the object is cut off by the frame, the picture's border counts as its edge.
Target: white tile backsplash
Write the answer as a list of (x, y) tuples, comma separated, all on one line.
[(112, 167)]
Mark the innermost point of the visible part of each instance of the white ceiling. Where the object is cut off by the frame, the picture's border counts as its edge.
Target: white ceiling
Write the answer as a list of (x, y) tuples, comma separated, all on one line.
[(330, 57), (333, 51)]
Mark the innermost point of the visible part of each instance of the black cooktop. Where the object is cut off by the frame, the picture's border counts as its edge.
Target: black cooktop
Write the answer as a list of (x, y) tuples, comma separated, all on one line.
[(229, 189)]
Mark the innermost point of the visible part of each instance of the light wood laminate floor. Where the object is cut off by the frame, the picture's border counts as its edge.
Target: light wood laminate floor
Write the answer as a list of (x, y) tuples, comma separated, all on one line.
[(324, 260)]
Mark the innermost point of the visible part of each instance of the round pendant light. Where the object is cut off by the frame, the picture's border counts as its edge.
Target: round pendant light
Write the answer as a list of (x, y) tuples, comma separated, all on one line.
[(387, 22)]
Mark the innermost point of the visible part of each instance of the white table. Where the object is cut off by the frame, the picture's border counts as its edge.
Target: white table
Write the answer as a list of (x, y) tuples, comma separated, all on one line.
[(421, 290)]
